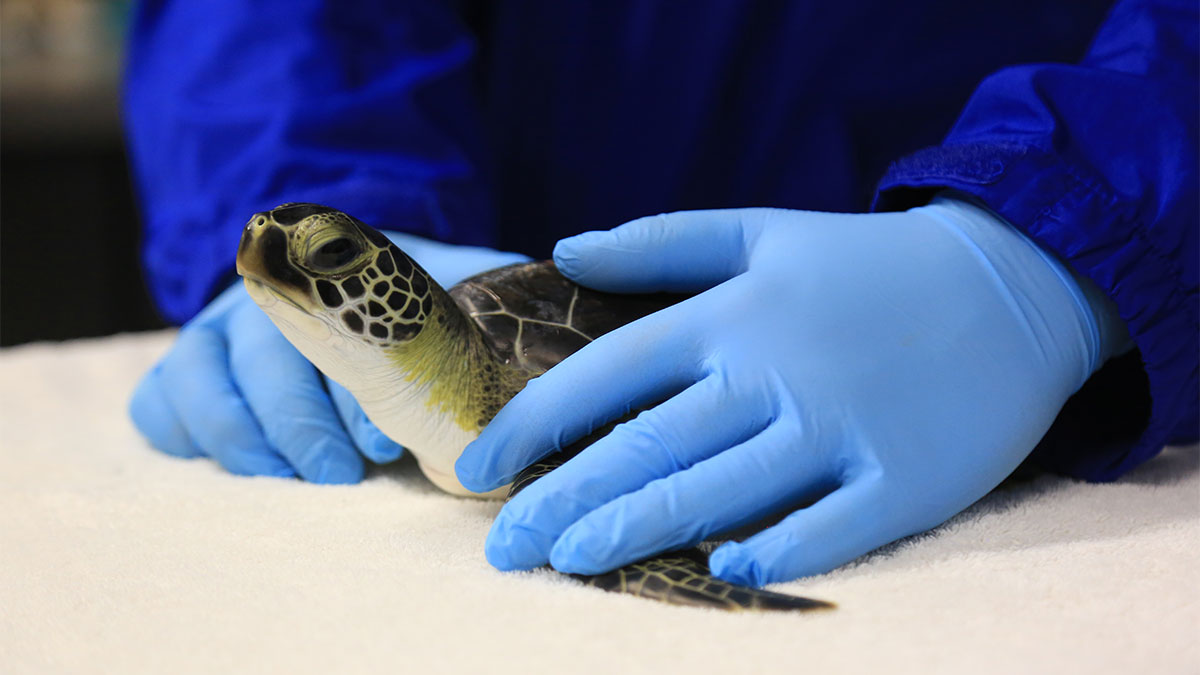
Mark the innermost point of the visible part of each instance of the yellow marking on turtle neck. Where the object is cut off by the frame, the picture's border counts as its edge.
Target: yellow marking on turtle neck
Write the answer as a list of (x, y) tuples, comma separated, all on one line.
[(450, 360)]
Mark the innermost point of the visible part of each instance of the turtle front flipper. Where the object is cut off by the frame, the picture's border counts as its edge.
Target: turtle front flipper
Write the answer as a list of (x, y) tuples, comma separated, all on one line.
[(678, 577), (683, 578)]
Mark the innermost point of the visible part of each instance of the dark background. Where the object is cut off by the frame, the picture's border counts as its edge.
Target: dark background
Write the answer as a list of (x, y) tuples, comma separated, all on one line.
[(68, 223)]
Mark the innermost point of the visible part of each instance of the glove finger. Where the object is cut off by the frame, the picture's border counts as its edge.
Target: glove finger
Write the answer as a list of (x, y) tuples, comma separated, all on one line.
[(837, 529), (200, 388), (370, 440), (288, 398), (682, 251), (742, 485), (154, 417), (632, 367), (695, 425)]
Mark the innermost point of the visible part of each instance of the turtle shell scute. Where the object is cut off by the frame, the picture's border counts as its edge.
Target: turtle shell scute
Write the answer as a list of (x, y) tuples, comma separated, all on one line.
[(533, 316)]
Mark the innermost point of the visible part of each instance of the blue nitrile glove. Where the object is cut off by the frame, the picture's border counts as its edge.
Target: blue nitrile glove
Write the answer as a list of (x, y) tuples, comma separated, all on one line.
[(234, 389), (892, 367)]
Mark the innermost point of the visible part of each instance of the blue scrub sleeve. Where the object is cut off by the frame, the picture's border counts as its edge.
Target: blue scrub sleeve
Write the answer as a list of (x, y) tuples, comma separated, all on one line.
[(1098, 163), (235, 107)]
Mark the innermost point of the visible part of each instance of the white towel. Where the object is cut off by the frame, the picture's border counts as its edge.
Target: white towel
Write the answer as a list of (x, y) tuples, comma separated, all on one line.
[(115, 558)]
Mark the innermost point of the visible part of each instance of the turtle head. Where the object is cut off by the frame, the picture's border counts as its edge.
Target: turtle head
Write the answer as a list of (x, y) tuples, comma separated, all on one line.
[(326, 273), (370, 318)]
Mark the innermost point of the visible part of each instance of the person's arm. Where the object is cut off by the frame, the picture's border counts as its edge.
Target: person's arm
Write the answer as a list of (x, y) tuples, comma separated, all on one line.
[(1097, 162), (233, 107)]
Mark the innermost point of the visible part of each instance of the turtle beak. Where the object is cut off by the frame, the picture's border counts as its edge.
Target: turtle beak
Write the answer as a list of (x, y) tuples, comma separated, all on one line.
[(262, 259), (251, 249)]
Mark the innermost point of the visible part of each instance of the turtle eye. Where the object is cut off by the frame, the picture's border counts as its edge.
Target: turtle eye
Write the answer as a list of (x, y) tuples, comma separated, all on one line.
[(334, 255)]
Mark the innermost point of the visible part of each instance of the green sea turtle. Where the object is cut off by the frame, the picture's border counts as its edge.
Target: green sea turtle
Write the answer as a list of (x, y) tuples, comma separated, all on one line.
[(431, 368)]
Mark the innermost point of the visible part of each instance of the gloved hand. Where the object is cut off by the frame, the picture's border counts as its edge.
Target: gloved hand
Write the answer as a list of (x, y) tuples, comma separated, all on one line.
[(872, 375), (234, 389)]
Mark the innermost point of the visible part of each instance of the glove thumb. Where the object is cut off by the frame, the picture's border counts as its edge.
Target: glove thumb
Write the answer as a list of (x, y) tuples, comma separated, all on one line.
[(682, 251)]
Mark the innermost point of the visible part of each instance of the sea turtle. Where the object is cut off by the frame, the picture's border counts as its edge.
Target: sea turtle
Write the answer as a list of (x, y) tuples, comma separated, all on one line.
[(431, 368)]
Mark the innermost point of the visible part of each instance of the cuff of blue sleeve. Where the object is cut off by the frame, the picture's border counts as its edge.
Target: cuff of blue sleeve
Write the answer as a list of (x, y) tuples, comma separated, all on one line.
[(1138, 403)]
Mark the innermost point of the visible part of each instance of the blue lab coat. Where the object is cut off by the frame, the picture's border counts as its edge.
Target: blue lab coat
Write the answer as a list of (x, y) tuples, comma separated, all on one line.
[(513, 124)]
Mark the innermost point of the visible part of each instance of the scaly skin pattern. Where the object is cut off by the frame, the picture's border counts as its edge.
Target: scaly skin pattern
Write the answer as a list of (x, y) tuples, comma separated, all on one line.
[(683, 578)]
